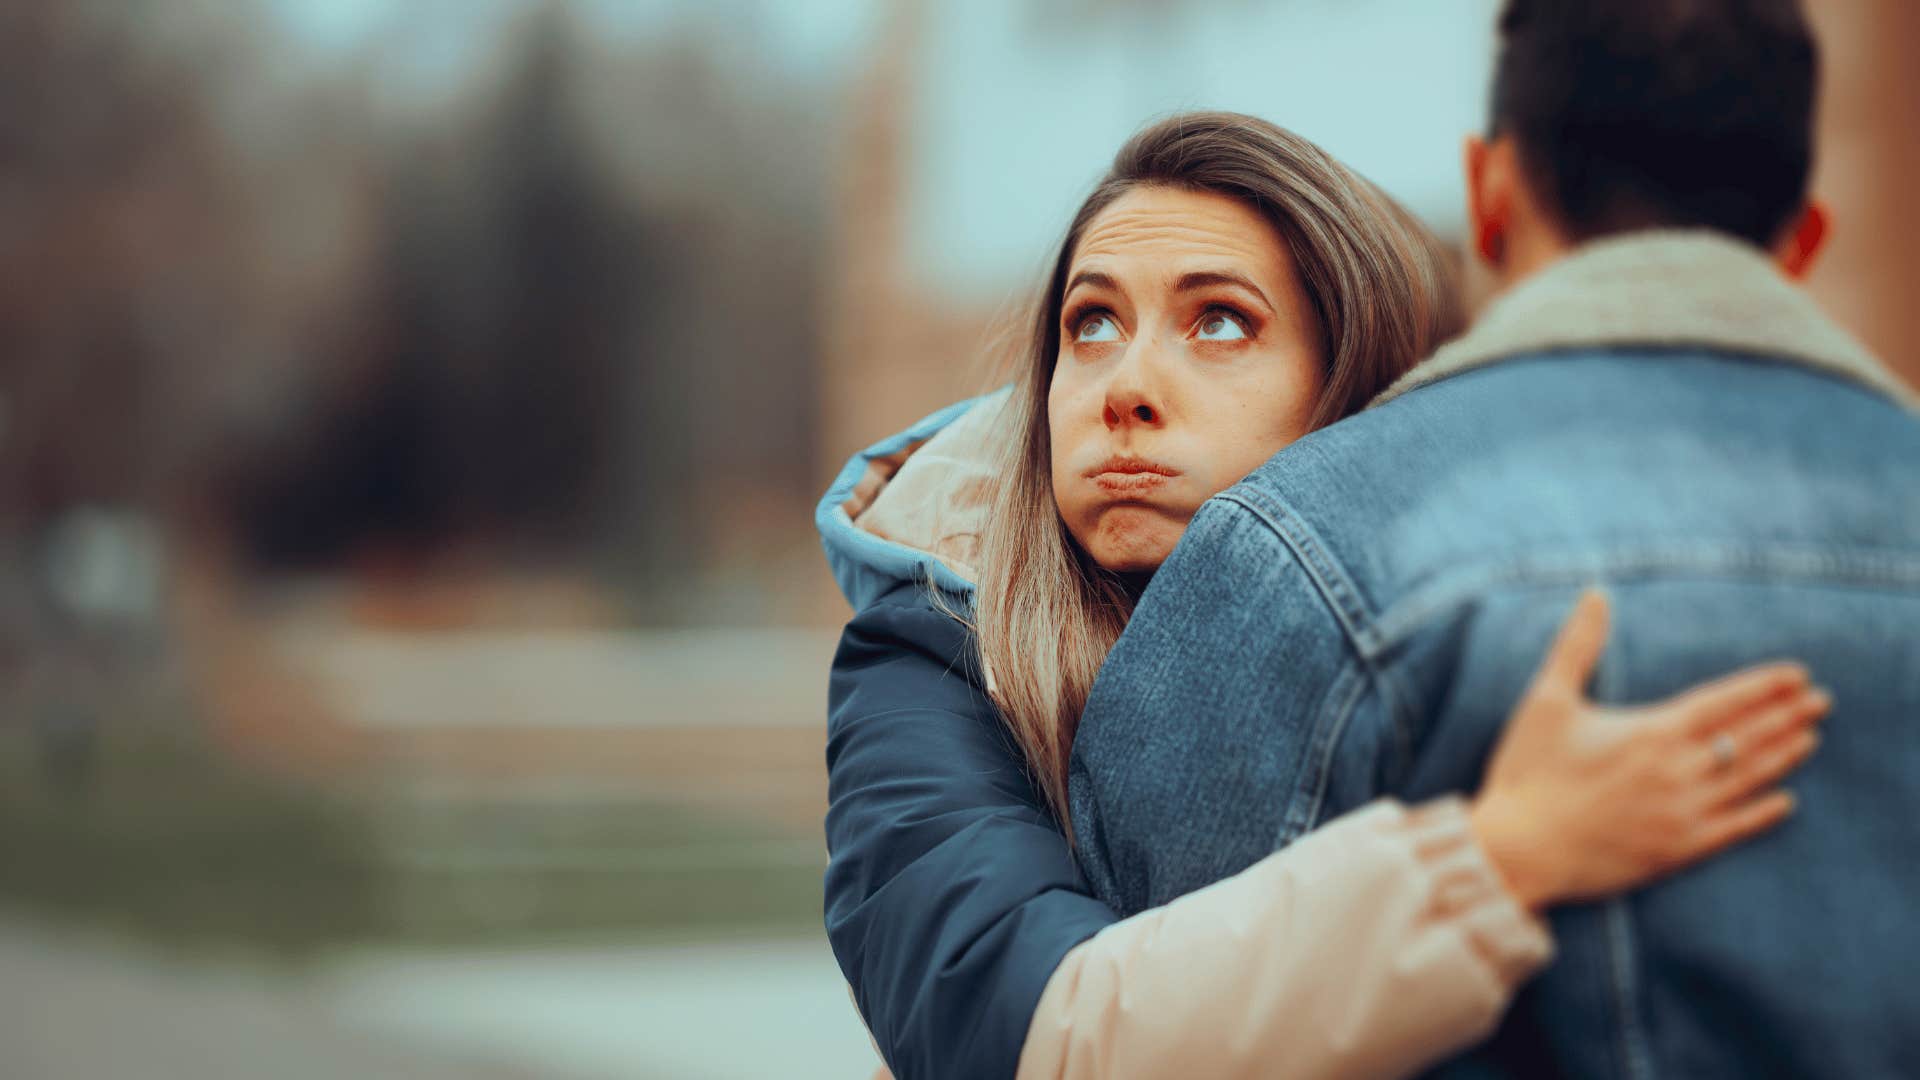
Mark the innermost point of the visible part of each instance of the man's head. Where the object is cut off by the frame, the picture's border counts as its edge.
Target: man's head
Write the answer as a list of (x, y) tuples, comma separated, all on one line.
[(1635, 114)]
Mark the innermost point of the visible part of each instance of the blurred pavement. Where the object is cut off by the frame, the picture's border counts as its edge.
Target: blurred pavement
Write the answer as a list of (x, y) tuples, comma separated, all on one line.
[(78, 1007)]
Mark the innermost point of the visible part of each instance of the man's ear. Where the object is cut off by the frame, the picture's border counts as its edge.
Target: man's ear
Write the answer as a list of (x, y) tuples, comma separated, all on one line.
[(1803, 241), (1489, 197)]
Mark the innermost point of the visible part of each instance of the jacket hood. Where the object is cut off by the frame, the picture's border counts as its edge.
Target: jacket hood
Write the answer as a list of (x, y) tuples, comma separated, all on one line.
[(913, 507)]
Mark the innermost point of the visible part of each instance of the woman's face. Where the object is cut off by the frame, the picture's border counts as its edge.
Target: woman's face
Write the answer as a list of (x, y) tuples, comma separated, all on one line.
[(1189, 354)]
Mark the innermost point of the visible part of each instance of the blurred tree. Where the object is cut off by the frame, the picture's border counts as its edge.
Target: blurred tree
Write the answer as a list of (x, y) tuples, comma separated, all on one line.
[(727, 166), (597, 298), (482, 406), (566, 311)]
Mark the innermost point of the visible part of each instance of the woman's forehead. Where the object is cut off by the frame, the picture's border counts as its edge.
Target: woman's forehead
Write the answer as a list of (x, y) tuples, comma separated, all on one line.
[(1166, 228)]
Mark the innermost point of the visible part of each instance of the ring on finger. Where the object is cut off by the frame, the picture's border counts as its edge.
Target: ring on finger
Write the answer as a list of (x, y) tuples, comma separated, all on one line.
[(1724, 751)]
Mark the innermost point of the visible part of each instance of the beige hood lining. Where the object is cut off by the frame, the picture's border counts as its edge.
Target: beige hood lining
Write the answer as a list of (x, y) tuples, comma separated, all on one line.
[(935, 495)]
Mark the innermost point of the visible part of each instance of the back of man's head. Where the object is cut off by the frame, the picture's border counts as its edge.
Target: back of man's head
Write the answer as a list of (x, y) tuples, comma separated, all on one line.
[(1634, 114)]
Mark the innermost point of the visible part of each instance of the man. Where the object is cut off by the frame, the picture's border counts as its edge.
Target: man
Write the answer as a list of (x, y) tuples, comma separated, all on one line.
[(1650, 405)]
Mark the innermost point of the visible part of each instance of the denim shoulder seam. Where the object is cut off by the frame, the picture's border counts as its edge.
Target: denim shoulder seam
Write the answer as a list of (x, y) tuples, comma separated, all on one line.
[(1336, 588), (1349, 609), (1329, 578)]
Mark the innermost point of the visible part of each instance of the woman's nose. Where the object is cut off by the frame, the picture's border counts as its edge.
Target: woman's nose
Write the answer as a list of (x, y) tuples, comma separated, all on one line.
[(1142, 413), (1130, 400)]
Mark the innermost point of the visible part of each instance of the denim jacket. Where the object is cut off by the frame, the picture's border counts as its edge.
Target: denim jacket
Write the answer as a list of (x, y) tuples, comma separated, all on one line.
[(1661, 414)]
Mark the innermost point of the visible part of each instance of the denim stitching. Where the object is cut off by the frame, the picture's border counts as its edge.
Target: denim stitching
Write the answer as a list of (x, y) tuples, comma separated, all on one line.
[(1876, 568), (1328, 576), (1400, 704), (1610, 684), (1361, 628), (1630, 1037), (1337, 592), (1310, 791)]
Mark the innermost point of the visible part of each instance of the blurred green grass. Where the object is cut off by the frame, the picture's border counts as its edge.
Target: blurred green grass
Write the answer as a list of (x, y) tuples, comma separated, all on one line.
[(581, 863), (150, 828), (145, 827)]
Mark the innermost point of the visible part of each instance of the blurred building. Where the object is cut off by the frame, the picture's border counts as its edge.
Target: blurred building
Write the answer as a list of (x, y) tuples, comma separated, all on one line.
[(1868, 167)]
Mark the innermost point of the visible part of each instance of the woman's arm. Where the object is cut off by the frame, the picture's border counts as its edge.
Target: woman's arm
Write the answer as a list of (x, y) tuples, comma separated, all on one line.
[(1390, 939), (1370, 947), (951, 894)]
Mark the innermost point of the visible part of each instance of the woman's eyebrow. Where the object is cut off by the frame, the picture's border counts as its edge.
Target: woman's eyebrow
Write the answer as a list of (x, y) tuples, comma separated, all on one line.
[(1094, 278), (1208, 279)]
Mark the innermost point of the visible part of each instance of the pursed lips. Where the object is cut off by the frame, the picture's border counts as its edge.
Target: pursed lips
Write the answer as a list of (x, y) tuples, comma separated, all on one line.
[(1129, 476)]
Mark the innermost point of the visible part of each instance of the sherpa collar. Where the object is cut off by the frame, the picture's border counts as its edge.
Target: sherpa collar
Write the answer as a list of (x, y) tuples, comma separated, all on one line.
[(1659, 288)]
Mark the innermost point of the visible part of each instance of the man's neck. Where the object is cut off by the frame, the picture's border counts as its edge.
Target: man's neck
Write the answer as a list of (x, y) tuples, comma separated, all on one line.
[(1529, 251)]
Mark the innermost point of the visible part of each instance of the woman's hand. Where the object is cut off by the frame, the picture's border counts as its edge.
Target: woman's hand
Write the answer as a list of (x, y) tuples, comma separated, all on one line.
[(1583, 800)]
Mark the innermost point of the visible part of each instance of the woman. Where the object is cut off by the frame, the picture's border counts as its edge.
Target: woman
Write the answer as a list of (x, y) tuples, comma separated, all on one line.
[(1227, 289)]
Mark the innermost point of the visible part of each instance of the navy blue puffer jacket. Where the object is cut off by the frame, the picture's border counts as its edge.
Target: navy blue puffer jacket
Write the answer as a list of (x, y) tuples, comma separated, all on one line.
[(951, 894)]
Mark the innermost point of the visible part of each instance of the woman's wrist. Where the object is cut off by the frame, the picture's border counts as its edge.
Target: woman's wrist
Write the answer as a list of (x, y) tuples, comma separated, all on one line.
[(1512, 847)]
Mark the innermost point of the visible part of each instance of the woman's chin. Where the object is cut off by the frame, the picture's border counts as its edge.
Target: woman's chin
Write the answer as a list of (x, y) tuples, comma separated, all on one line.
[(1133, 540)]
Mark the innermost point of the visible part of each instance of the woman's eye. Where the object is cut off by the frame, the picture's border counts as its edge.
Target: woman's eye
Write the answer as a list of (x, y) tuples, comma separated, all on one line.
[(1220, 326), (1097, 328)]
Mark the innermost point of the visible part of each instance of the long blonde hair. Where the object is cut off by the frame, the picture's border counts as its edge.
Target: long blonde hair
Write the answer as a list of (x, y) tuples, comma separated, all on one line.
[(1385, 293)]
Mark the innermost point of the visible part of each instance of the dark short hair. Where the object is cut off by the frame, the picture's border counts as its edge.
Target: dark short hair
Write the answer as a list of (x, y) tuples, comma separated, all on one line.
[(1633, 114)]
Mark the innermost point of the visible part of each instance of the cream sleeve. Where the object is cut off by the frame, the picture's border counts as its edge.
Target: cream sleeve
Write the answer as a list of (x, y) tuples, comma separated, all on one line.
[(1371, 947)]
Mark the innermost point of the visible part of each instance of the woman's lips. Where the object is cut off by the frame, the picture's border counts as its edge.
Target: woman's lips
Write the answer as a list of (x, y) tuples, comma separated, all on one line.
[(1130, 477), (1129, 485)]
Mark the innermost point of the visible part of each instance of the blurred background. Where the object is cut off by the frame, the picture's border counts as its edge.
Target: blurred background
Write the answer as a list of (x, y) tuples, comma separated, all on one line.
[(413, 636)]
